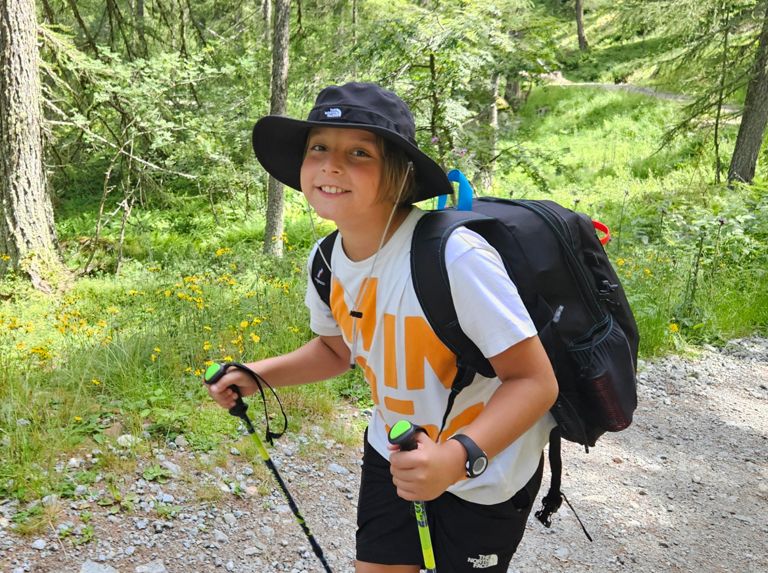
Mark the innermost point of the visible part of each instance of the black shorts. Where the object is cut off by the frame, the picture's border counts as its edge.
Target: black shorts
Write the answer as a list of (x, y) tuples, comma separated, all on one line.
[(465, 536)]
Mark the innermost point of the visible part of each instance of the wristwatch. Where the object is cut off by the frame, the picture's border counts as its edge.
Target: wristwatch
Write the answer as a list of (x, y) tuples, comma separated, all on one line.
[(477, 461)]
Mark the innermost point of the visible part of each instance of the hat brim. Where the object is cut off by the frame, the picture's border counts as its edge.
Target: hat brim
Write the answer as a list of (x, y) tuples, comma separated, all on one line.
[(279, 142)]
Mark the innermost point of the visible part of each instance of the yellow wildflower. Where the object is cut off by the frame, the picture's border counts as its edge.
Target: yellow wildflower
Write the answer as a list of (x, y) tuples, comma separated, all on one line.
[(244, 324), (674, 327), (78, 419), (95, 382), (255, 337), (42, 352), (207, 345)]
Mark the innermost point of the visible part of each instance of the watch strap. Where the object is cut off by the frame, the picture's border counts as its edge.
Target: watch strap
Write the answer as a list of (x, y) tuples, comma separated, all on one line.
[(475, 454)]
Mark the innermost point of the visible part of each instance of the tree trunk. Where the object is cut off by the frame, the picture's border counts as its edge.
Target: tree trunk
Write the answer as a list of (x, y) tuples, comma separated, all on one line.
[(27, 232), (486, 173), (273, 232), (266, 16), (583, 44), (755, 116), (140, 28)]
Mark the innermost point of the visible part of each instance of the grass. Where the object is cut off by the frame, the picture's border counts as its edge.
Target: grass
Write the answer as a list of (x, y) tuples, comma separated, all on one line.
[(131, 349), (124, 354)]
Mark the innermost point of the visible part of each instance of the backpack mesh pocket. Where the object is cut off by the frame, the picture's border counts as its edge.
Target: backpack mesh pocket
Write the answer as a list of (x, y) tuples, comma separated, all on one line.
[(606, 377)]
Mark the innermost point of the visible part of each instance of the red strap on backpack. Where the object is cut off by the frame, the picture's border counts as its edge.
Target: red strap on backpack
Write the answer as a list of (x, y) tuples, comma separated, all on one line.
[(603, 228)]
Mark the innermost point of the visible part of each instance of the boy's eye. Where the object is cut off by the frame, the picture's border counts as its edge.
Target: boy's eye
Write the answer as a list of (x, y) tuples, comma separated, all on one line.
[(317, 147), (361, 153)]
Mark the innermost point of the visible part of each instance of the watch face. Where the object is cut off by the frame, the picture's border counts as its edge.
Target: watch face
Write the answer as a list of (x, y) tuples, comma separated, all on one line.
[(479, 465)]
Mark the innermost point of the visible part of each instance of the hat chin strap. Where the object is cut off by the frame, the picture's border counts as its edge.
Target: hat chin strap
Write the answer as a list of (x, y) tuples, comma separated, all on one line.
[(355, 313)]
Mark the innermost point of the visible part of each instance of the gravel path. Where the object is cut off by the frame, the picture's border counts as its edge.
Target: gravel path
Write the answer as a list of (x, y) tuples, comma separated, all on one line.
[(684, 489)]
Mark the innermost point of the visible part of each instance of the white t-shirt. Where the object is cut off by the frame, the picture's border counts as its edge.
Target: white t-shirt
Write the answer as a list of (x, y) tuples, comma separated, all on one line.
[(406, 366)]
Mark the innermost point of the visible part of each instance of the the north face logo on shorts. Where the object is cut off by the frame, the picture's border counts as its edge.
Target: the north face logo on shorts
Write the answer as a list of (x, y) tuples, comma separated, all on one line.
[(484, 561)]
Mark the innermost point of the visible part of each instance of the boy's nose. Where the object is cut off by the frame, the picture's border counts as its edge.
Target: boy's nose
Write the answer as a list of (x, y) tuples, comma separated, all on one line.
[(332, 164)]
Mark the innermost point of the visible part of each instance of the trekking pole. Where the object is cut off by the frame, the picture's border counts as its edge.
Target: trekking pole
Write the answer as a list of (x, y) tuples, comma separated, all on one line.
[(212, 375), (403, 434)]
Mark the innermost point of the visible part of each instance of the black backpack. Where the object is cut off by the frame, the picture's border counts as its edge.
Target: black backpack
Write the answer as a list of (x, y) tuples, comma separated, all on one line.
[(575, 299)]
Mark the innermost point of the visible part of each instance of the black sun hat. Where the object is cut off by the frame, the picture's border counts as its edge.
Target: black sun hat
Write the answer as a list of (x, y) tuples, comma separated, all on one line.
[(279, 141)]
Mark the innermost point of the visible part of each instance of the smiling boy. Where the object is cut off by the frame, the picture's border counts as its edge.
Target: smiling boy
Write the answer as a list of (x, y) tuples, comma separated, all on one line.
[(357, 162)]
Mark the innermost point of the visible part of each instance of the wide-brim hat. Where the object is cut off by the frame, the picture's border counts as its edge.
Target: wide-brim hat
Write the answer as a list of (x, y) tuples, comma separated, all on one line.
[(279, 141)]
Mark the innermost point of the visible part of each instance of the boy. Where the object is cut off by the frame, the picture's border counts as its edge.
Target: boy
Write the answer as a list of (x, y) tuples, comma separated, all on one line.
[(356, 160)]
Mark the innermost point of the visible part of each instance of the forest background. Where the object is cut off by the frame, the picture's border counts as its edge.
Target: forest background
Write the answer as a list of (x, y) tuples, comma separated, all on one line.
[(140, 239)]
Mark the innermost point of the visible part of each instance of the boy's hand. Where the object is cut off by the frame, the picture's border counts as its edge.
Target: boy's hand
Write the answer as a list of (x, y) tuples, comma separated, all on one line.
[(225, 396), (426, 472)]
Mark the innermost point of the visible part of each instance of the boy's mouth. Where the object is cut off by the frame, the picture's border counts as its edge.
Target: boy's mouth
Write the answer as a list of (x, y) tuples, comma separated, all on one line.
[(332, 189)]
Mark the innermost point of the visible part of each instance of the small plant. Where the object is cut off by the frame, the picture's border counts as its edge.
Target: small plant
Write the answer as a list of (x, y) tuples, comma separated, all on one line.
[(87, 534), (167, 510), (36, 518), (208, 493), (156, 472)]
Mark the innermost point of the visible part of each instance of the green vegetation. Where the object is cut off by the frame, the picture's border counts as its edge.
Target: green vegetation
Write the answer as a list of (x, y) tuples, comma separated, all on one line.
[(122, 353)]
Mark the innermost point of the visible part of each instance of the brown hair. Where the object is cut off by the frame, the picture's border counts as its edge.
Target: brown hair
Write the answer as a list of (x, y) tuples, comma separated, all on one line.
[(396, 172)]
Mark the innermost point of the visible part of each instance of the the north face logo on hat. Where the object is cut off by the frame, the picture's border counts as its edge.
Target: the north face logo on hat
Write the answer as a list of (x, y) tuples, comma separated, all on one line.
[(333, 113)]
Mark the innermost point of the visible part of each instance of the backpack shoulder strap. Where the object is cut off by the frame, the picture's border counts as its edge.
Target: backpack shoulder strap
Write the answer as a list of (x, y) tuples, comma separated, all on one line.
[(430, 281), (320, 271)]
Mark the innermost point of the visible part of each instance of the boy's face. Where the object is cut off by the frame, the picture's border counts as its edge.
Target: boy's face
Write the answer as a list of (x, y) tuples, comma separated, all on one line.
[(341, 175)]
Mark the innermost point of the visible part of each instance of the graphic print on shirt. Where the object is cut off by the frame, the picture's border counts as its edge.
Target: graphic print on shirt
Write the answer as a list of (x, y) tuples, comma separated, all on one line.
[(425, 356)]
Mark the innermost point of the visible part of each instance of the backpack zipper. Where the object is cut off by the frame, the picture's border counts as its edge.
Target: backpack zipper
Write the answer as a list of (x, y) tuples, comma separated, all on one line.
[(553, 220)]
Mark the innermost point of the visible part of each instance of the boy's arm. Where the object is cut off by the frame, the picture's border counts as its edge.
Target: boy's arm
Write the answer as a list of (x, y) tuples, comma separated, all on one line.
[(321, 358), (528, 390)]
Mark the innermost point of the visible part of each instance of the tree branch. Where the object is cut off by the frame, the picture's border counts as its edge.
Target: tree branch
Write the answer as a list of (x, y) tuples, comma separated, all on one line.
[(98, 137)]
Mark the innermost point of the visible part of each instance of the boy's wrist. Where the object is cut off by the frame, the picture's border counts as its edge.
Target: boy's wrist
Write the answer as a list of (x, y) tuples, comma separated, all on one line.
[(457, 457)]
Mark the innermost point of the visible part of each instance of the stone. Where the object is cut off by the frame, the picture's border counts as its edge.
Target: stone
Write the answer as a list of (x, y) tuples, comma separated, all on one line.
[(337, 469), (93, 567), (175, 469), (156, 566), (127, 441)]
